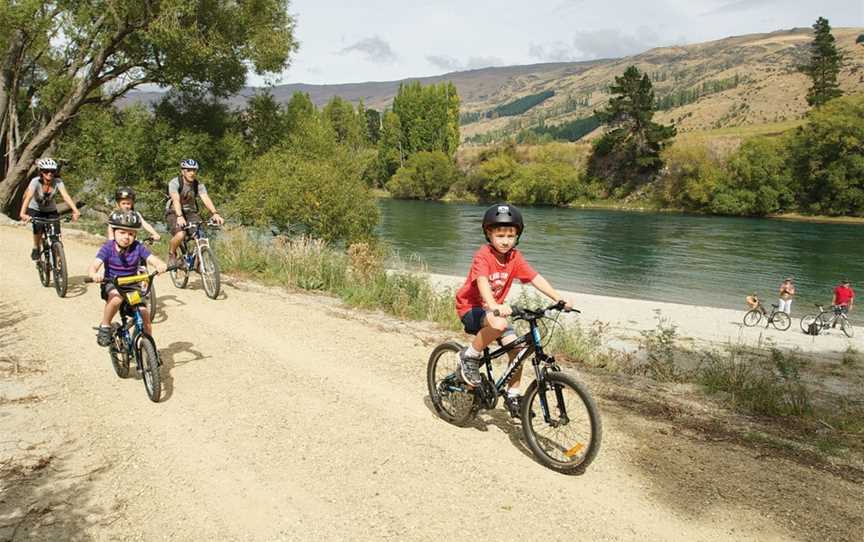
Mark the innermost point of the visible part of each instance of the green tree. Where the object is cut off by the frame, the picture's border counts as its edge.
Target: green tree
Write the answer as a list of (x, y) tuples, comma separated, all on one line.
[(757, 180), (298, 110), (426, 175), (107, 48), (264, 122), (429, 117), (629, 153), (390, 153), (824, 65), (373, 125), (346, 122), (827, 158)]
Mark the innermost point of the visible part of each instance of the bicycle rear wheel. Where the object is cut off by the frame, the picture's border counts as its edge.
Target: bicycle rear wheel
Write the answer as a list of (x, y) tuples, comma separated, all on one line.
[(752, 317), (180, 276), (452, 399), (61, 276), (807, 320), (846, 326), (150, 368), (119, 354), (209, 272), (43, 265), (781, 321), (570, 440)]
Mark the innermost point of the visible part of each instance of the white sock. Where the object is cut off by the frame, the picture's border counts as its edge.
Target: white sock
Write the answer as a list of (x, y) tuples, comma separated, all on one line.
[(471, 353)]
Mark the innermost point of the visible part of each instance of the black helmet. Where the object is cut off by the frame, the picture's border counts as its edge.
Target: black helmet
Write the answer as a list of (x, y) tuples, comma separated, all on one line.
[(125, 220), (503, 214), (124, 192)]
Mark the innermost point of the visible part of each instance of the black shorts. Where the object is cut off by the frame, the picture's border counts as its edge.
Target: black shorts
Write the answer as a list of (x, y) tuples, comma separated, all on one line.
[(39, 228), (107, 287), (171, 218), (475, 319)]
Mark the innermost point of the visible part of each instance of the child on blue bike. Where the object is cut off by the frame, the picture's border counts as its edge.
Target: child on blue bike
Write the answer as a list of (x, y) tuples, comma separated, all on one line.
[(493, 269)]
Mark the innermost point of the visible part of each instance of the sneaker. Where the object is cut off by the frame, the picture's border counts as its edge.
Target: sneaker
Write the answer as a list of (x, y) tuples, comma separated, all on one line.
[(34, 254), (513, 404), (469, 368), (103, 337)]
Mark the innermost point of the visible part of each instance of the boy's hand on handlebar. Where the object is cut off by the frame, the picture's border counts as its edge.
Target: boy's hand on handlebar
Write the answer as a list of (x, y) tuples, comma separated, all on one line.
[(25, 218), (501, 310), (75, 215), (97, 276), (217, 218), (161, 267), (181, 221)]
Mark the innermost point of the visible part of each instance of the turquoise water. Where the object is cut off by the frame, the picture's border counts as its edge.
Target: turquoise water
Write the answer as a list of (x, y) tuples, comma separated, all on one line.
[(678, 258)]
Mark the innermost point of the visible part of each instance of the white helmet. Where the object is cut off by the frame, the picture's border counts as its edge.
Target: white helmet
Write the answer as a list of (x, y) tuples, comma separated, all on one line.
[(46, 164), (188, 163)]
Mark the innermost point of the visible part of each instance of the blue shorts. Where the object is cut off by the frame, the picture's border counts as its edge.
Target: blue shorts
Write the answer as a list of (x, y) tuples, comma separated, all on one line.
[(475, 319)]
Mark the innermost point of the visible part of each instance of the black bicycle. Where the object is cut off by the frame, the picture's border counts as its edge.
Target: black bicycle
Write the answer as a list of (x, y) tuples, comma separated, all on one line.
[(560, 420), (826, 319), (199, 258), (779, 319), (52, 258), (128, 338)]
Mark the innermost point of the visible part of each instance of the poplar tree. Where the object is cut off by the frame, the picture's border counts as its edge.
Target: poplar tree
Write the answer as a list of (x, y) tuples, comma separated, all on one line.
[(824, 65)]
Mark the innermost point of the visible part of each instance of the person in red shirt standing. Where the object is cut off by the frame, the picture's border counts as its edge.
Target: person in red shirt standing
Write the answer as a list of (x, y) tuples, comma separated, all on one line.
[(493, 269), (844, 296)]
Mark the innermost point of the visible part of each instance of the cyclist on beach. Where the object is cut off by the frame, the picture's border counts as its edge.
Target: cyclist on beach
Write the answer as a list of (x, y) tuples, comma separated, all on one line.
[(844, 296), (787, 292), (38, 200), (182, 205), (493, 269), (124, 198)]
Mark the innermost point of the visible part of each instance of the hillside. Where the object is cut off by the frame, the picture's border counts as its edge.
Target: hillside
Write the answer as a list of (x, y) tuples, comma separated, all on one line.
[(735, 81)]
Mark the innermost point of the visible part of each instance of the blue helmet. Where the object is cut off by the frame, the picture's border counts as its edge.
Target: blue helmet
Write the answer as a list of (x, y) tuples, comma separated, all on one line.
[(188, 163)]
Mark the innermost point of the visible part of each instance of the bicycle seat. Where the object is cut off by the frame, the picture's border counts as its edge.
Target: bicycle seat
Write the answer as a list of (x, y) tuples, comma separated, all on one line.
[(775, 305)]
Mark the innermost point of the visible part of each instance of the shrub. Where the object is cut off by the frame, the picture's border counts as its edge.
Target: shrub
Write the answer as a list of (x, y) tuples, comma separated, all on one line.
[(426, 175)]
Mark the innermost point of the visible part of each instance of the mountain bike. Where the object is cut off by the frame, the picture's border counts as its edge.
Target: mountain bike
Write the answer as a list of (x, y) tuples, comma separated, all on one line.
[(779, 319), (52, 258), (560, 420), (826, 319), (199, 258), (149, 290), (129, 340)]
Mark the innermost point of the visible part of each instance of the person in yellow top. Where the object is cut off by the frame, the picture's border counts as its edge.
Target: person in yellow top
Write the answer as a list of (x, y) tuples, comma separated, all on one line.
[(787, 292)]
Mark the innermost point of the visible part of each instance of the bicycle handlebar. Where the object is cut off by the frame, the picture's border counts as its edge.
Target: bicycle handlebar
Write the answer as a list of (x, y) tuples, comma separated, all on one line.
[(135, 278), (527, 314), (50, 220)]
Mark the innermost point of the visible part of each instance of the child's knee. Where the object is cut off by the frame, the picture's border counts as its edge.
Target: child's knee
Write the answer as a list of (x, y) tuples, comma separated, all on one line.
[(497, 323)]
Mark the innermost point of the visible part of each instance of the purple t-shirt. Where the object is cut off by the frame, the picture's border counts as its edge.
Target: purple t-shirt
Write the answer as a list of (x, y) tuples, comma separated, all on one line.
[(121, 264)]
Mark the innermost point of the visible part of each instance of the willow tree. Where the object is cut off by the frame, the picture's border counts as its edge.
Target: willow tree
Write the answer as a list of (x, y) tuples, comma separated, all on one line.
[(59, 56)]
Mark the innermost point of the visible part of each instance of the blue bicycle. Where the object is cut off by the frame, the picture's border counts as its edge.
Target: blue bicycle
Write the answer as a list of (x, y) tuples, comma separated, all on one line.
[(199, 258)]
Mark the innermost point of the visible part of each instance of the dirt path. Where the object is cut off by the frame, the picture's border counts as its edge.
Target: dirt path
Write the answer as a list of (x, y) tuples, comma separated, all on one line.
[(288, 417)]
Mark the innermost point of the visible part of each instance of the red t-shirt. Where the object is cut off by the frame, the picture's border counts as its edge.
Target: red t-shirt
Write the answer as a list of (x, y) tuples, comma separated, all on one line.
[(843, 295), (500, 275)]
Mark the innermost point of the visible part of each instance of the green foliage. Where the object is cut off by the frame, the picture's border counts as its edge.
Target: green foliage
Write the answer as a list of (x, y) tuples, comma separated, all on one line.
[(264, 122), (825, 63), (690, 178), (390, 153), (685, 96), (629, 154), (373, 125), (521, 105), (827, 158), (312, 184), (348, 124), (757, 180), (572, 130), (426, 175)]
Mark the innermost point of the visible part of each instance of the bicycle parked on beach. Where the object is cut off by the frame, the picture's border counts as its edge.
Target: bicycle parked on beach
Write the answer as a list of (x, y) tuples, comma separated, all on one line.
[(199, 258), (559, 418), (827, 319), (129, 340), (52, 258), (779, 319)]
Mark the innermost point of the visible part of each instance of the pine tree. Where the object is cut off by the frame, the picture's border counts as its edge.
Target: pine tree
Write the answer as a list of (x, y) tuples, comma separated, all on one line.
[(630, 152), (825, 63)]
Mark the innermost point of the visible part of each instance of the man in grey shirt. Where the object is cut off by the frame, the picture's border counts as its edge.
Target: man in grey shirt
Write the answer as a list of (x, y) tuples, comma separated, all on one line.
[(182, 206), (38, 200)]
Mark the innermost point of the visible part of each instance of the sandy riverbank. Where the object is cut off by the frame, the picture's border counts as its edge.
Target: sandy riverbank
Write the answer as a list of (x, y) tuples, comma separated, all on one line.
[(699, 325)]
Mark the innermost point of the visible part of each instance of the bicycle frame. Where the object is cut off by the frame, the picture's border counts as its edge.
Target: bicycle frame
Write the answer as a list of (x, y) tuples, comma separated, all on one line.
[(132, 340), (199, 236)]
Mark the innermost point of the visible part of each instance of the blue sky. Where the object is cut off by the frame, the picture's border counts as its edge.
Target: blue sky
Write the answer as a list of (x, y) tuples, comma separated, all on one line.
[(381, 40)]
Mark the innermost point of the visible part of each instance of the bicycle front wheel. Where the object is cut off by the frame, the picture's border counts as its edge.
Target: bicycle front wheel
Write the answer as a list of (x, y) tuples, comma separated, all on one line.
[(569, 441), (752, 317), (151, 299), (150, 368), (210, 273), (61, 276), (452, 399), (781, 321), (846, 326)]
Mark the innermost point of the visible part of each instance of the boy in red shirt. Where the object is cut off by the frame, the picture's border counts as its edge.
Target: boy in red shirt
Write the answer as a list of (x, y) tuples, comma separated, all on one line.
[(493, 270)]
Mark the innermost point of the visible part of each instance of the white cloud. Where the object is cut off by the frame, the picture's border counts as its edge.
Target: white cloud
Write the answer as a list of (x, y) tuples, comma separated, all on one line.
[(374, 49)]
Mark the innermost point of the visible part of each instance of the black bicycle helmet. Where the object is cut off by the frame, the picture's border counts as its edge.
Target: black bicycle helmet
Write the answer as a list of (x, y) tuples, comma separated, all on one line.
[(503, 214), (125, 220), (124, 192)]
